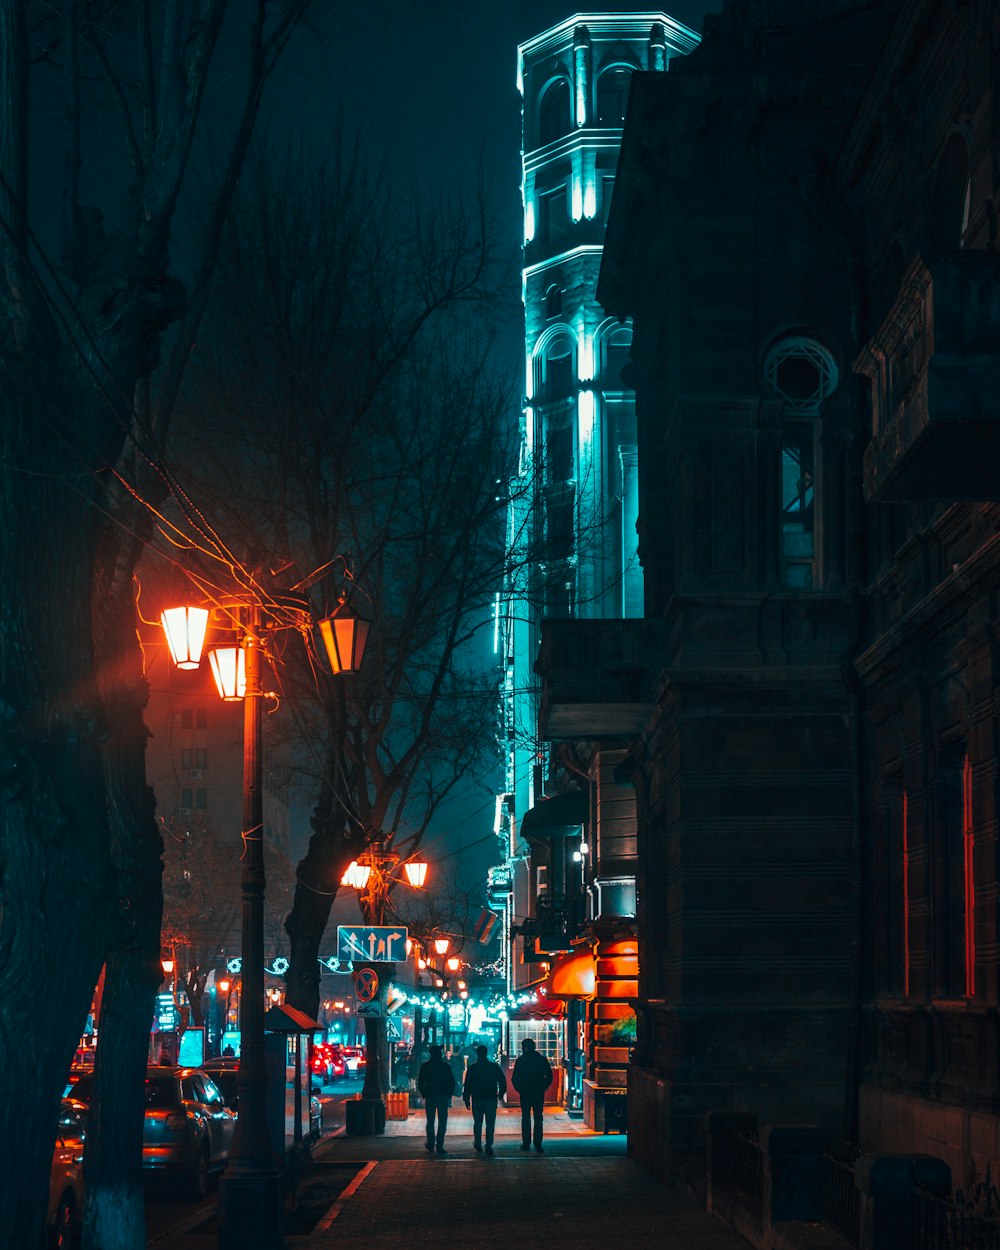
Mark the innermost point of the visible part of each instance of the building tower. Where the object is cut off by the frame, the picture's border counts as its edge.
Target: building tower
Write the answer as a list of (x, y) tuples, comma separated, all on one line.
[(575, 523)]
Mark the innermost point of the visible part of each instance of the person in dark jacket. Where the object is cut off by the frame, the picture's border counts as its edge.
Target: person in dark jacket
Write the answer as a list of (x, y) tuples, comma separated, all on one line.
[(436, 1083), (531, 1077), (485, 1084)]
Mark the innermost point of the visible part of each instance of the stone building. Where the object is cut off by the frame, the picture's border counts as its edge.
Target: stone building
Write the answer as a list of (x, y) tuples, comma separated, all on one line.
[(568, 827), (804, 232)]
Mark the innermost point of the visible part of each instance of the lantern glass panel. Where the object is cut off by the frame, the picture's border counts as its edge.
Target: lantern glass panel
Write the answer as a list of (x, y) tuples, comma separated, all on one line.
[(229, 670), (184, 629)]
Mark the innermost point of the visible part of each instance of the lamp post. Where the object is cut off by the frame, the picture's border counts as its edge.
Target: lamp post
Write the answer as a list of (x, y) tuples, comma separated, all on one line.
[(250, 1192), (373, 874)]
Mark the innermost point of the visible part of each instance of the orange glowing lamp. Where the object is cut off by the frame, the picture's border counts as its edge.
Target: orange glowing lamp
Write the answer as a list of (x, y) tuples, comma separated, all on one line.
[(228, 666), (184, 629), (344, 639), (441, 945), (416, 872)]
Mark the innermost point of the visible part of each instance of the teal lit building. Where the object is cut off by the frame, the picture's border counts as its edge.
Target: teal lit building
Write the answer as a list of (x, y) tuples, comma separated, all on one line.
[(575, 521)]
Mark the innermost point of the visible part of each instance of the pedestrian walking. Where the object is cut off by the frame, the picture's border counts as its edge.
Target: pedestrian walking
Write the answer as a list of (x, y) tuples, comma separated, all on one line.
[(436, 1083), (531, 1077), (485, 1085)]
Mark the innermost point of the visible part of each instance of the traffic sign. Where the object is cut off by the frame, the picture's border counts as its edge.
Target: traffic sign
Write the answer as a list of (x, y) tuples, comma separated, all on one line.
[(372, 1010), (366, 984), (392, 1031), (383, 944)]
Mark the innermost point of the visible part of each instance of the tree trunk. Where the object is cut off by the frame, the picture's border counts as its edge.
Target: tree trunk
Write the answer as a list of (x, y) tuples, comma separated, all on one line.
[(316, 882)]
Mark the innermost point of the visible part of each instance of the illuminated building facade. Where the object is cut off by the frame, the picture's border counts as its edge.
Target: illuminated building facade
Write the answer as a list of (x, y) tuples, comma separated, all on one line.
[(804, 230), (575, 527)]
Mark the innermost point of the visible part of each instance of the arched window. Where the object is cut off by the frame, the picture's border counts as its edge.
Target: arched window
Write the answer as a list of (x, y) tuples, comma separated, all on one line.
[(612, 95), (554, 112), (553, 301), (803, 375), (951, 199), (555, 369), (617, 349)]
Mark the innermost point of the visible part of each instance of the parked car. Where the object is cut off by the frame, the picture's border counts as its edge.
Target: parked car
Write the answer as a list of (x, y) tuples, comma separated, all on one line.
[(338, 1067), (66, 1177), (188, 1129), (224, 1072)]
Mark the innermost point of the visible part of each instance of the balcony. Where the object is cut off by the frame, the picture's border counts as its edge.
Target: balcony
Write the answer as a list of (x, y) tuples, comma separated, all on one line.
[(597, 677), (934, 370)]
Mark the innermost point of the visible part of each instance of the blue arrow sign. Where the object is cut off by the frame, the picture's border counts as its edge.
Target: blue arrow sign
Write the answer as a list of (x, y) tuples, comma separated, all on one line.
[(384, 944)]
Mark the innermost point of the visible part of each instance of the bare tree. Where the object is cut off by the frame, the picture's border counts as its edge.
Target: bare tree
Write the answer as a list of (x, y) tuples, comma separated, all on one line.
[(379, 439), (85, 399)]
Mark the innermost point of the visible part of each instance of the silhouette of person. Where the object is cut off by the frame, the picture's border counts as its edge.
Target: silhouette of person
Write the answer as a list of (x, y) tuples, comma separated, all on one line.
[(485, 1084), (436, 1083), (531, 1077)]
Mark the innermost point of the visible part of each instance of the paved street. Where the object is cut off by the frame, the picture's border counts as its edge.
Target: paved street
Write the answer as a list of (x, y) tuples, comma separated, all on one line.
[(582, 1192)]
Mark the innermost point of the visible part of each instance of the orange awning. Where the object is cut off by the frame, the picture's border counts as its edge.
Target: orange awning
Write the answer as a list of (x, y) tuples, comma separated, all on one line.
[(574, 975)]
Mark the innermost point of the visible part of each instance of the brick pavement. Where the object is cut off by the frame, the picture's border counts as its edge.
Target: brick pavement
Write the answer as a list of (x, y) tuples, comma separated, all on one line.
[(583, 1192)]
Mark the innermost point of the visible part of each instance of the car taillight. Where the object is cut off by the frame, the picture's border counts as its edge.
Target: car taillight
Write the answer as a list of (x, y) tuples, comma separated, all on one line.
[(175, 1121)]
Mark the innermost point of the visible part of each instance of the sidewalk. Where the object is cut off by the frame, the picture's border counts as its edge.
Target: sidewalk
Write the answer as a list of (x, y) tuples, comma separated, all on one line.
[(582, 1192)]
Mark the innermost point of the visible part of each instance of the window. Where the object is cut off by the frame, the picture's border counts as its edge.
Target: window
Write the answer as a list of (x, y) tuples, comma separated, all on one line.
[(798, 495), (607, 187), (559, 530), (201, 718), (187, 718), (553, 219), (617, 349), (201, 799), (559, 458), (612, 95), (553, 302), (803, 375), (186, 797), (555, 369), (554, 112), (187, 758)]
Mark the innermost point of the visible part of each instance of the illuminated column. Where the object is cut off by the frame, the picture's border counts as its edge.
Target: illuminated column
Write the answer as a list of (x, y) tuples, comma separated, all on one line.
[(581, 65), (657, 47)]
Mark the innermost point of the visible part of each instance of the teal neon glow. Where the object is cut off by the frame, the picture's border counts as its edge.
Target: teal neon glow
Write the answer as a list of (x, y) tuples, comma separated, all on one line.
[(529, 377), (496, 623), (586, 408), (529, 429), (590, 199), (577, 199), (585, 362), (529, 220)]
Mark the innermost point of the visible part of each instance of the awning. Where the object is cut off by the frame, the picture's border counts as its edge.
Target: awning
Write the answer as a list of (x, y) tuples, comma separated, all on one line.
[(558, 816), (285, 1019), (543, 1008), (574, 975)]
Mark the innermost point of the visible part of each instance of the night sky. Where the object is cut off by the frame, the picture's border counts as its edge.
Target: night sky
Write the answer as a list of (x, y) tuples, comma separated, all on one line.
[(434, 83)]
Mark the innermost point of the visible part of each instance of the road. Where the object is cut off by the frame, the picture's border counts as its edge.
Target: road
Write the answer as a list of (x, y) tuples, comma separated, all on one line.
[(169, 1213)]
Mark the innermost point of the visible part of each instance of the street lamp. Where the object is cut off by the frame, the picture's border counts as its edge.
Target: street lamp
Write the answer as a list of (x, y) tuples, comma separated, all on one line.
[(250, 1192), (372, 874)]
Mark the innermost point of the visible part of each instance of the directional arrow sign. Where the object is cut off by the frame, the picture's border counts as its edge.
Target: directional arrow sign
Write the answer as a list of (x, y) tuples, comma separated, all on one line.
[(383, 944)]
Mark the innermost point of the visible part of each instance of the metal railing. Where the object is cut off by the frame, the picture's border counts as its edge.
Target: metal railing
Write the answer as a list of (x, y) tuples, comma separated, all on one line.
[(746, 1165), (841, 1201), (962, 1222)]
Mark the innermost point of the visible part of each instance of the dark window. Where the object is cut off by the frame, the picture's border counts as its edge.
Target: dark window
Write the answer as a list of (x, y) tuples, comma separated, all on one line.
[(186, 799), (557, 370), (553, 218), (187, 718), (201, 757), (187, 758), (201, 718), (617, 349), (607, 188), (554, 112), (612, 95), (559, 536), (553, 301), (949, 215), (798, 486), (559, 458), (201, 799)]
